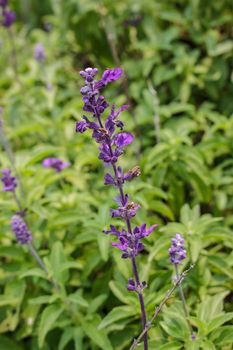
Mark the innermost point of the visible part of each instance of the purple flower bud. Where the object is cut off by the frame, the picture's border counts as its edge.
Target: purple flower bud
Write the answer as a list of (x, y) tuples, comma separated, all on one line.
[(20, 229), (55, 163), (177, 251), (9, 181), (8, 18), (131, 286), (108, 179), (39, 53), (88, 74)]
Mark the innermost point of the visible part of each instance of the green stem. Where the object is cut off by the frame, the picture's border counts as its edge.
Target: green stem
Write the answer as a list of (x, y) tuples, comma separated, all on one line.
[(184, 302)]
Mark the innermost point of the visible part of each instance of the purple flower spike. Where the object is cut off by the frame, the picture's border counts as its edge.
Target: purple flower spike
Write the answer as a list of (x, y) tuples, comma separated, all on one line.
[(55, 163), (9, 181), (20, 229), (39, 53), (8, 18), (177, 251)]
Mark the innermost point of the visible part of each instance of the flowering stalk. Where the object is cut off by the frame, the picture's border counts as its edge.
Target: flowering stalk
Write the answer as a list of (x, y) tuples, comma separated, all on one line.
[(111, 147), (158, 309), (177, 253)]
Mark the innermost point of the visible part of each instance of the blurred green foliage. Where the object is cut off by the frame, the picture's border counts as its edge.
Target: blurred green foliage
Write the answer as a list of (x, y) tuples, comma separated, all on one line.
[(177, 56)]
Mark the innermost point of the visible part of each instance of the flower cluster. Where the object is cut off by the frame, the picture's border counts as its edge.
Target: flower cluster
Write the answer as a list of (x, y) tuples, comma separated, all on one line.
[(177, 251), (55, 163), (20, 229), (39, 53), (129, 243), (111, 146), (9, 181), (8, 16)]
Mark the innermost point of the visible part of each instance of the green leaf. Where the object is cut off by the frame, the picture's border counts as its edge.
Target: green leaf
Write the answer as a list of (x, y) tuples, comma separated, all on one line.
[(76, 298), (98, 336), (8, 344), (219, 320), (58, 259), (222, 335), (116, 314), (35, 272), (47, 321)]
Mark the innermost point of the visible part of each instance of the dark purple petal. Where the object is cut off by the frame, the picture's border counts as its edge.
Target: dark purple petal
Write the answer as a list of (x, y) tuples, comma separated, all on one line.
[(113, 231), (81, 126), (121, 109), (109, 180), (110, 75), (123, 139)]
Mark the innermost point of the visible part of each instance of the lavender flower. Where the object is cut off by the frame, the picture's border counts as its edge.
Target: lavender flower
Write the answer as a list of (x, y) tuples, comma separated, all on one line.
[(111, 146), (39, 53), (8, 18), (9, 181), (130, 244), (20, 229), (55, 163), (177, 251)]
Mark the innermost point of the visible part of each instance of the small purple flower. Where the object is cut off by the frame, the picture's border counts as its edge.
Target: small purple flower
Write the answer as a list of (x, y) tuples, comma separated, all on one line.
[(123, 139), (39, 53), (81, 126), (8, 18), (108, 76), (177, 251), (20, 229), (55, 163), (9, 181), (109, 156)]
